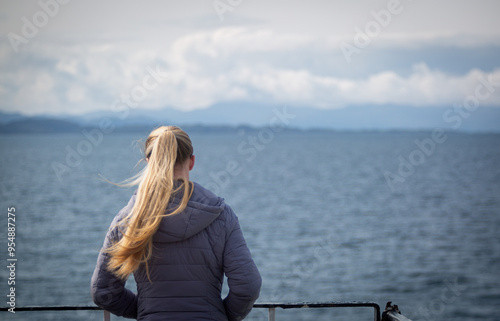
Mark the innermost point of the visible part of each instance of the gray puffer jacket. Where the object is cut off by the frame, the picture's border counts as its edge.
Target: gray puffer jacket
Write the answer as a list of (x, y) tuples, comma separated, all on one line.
[(192, 252)]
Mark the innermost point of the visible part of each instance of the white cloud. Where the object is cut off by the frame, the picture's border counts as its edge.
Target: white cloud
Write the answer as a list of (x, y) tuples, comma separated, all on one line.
[(76, 94), (36, 92), (424, 87), (227, 64), (209, 66)]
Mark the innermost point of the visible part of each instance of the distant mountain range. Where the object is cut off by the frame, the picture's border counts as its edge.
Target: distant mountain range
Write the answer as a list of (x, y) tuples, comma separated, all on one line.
[(40, 125), (229, 117), (19, 124)]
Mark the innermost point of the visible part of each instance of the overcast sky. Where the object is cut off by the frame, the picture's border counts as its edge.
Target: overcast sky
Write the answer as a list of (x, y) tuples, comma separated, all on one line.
[(75, 57)]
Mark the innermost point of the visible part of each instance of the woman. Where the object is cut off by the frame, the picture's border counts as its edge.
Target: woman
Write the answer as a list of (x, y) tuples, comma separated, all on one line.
[(178, 239)]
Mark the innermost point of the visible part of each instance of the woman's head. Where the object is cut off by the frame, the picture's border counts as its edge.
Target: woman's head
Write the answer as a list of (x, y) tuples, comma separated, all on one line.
[(162, 137), (167, 150)]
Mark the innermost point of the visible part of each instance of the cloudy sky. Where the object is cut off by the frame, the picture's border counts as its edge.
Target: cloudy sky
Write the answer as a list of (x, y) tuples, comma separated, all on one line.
[(75, 57)]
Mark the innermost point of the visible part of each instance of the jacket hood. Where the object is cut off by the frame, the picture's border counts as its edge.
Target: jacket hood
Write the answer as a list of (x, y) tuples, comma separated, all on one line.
[(202, 209)]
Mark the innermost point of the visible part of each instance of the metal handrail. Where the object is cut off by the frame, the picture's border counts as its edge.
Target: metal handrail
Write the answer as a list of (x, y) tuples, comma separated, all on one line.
[(271, 306), (355, 304)]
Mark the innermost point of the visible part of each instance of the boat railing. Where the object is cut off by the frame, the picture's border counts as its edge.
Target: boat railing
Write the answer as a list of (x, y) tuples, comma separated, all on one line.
[(270, 306)]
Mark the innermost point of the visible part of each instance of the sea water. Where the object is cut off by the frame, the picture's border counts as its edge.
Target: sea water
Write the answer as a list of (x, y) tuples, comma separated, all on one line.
[(406, 217)]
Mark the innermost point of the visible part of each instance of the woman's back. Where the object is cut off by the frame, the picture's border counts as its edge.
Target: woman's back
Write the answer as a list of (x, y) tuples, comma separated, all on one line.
[(179, 240), (186, 270)]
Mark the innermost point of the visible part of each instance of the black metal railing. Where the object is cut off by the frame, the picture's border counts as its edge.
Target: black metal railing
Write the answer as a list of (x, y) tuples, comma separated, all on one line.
[(270, 306)]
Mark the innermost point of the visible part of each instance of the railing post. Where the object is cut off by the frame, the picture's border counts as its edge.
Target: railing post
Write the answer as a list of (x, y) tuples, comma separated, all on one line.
[(107, 316), (272, 312)]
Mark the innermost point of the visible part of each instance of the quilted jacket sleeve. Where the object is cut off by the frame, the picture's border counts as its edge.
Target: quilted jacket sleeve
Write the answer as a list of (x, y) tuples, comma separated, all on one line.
[(243, 277), (109, 292)]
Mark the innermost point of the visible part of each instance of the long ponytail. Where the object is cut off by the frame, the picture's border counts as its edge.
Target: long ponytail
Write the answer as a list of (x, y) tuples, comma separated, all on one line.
[(165, 147)]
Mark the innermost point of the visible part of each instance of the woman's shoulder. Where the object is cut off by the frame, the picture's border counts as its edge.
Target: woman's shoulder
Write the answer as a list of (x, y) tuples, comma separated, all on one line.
[(204, 195), (202, 189)]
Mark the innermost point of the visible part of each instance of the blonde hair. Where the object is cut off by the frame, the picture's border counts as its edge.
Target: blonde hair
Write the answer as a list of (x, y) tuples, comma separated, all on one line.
[(165, 147)]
